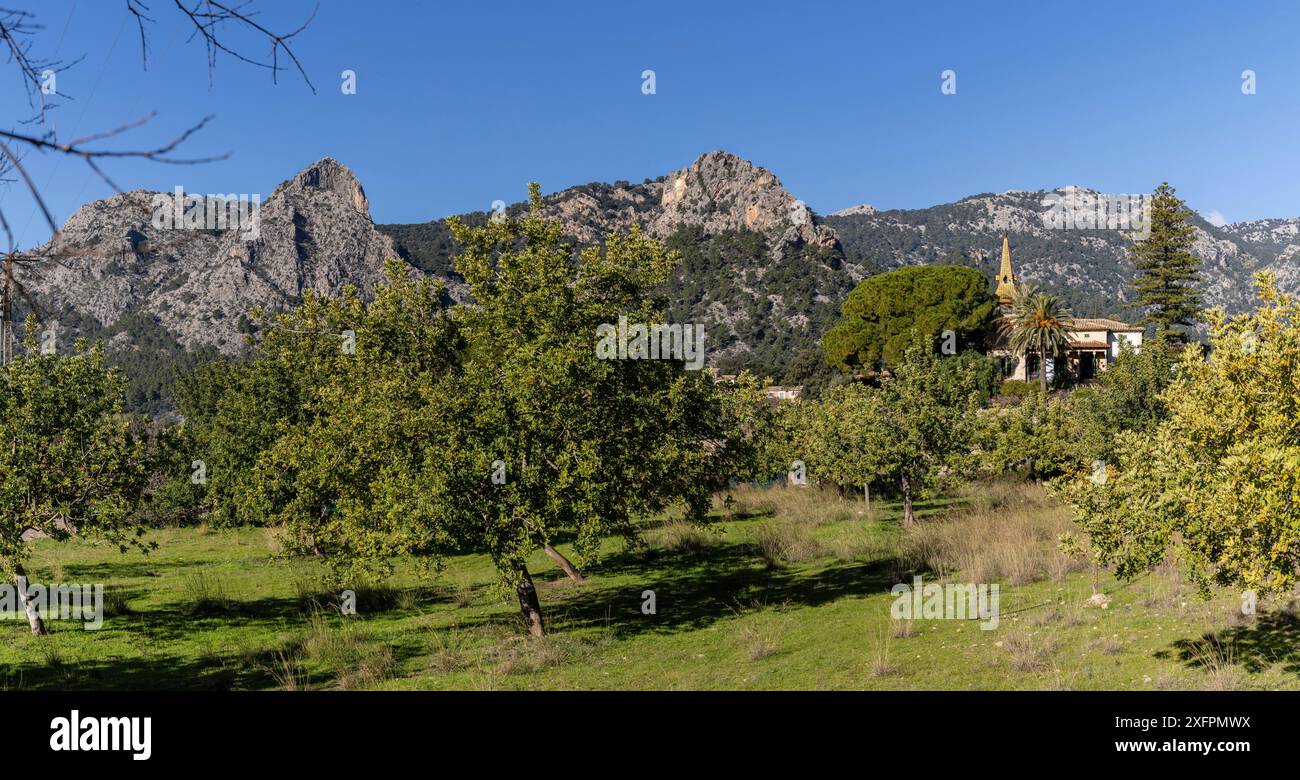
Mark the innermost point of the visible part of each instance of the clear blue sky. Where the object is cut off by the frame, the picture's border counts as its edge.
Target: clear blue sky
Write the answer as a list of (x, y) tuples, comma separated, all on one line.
[(459, 104)]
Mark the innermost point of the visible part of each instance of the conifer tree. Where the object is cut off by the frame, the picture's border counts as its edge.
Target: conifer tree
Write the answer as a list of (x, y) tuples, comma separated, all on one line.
[(1167, 281)]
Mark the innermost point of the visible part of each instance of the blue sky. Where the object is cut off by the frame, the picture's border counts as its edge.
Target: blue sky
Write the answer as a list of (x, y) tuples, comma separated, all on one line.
[(461, 104)]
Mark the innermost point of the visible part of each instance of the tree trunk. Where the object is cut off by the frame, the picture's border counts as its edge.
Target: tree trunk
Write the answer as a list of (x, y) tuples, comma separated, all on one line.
[(909, 519), (33, 615), (1042, 370), (528, 604), (564, 563), (866, 496)]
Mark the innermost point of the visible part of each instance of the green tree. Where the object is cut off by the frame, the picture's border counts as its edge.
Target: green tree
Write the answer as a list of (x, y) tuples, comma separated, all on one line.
[(71, 466), (498, 427), (883, 314), (1167, 278), (235, 411), (1127, 396), (847, 438), (1035, 438), (1037, 323), (587, 443), (335, 474), (1216, 481), (930, 414), (908, 432)]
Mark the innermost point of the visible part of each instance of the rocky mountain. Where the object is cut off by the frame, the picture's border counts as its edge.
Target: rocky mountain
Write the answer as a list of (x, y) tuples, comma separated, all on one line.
[(766, 275), (159, 286), (313, 232), (1087, 267), (760, 270), (1278, 240)]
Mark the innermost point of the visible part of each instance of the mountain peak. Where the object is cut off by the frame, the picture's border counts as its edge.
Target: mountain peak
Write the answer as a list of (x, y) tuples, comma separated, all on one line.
[(720, 191), (328, 175), (196, 283)]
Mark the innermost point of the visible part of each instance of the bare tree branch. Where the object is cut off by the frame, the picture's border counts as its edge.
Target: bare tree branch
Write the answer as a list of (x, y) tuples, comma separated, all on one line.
[(211, 21), (208, 15)]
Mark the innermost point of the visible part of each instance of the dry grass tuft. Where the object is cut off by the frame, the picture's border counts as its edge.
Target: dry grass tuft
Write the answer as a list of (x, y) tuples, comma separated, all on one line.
[(1110, 645), (811, 505), (353, 660), (520, 655), (287, 672), (1005, 533), (681, 536), (902, 629), (784, 542), (206, 594), (760, 642), (879, 664), (1029, 652), (1217, 660), (452, 651)]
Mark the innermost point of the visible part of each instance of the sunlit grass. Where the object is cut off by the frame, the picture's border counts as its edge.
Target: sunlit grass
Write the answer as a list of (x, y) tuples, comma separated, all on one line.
[(788, 589)]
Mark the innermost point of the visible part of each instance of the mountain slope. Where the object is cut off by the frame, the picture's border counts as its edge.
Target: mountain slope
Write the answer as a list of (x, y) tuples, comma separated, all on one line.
[(313, 232), (1088, 268), (760, 270)]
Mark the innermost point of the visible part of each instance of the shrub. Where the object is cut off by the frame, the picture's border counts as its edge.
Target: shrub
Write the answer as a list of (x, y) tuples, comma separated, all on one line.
[(681, 536), (784, 542), (1029, 653), (1009, 534), (207, 595), (1016, 388)]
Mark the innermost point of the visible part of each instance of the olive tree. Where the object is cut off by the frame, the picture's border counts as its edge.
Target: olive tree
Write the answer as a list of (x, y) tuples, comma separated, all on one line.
[(69, 464)]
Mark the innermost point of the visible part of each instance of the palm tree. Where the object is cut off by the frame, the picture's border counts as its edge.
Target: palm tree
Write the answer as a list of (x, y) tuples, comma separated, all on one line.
[(1037, 322)]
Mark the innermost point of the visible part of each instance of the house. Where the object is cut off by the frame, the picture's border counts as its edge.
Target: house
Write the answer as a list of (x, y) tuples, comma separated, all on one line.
[(1093, 341), (783, 393), (729, 379)]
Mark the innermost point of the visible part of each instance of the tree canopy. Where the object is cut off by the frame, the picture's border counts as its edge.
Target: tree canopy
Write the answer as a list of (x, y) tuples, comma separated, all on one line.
[(1214, 482), (1167, 279), (495, 427), (71, 465), (883, 314)]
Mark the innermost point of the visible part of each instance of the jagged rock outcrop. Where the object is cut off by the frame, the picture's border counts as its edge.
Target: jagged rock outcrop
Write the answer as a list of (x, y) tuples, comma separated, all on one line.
[(719, 193), (1089, 268), (763, 272), (123, 258)]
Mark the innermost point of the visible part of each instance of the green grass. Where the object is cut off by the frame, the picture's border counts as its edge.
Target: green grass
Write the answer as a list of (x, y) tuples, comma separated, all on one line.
[(788, 590)]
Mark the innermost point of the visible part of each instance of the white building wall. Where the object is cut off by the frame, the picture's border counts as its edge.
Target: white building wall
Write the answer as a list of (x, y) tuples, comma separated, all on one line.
[(1134, 338)]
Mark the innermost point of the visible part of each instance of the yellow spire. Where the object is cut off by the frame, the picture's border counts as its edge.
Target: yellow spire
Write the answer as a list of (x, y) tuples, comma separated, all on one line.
[(1006, 277)]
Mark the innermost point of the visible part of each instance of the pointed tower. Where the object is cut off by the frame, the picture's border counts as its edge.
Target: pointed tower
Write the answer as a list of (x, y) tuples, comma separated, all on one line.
[(1006, 277)]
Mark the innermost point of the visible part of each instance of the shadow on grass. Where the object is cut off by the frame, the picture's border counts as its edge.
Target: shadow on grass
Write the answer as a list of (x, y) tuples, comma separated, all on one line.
[(1273, 638), (169, 673), (177, 621), (694, 589), (279, 665), (124, 569)]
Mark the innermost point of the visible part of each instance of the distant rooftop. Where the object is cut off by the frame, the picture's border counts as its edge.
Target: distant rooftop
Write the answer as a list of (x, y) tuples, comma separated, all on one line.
[(1101, 323)]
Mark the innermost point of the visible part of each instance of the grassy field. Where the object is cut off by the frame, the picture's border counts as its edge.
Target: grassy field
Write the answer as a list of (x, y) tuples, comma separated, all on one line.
[(788, 590)]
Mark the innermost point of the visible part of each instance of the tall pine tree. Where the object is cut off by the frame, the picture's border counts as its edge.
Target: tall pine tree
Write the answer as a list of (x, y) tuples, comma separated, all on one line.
[(1167, 280)]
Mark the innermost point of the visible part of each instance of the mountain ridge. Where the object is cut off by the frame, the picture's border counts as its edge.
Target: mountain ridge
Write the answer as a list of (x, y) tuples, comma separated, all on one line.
[(764, 272)]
